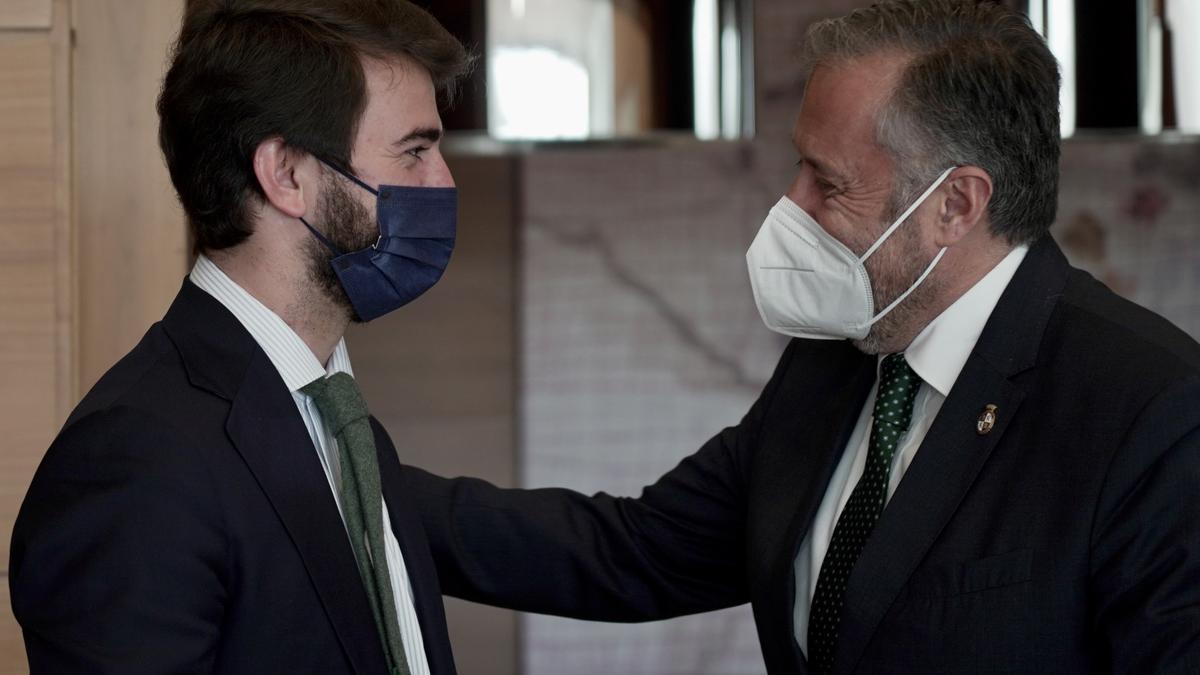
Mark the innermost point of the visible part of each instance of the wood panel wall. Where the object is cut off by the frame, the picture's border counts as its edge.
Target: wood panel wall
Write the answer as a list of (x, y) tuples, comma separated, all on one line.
[(130, 230), (26, 14), (36, 284), (91, 244)]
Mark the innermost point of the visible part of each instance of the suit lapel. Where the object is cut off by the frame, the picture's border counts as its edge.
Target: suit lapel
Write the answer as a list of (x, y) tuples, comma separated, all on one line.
[(418, 560), (825, 432), (954, 452), (802, 447), (926, 499), (267, 431)]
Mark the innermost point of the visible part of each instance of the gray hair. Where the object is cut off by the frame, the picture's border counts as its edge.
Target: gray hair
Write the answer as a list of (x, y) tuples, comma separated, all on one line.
[(980, 89)]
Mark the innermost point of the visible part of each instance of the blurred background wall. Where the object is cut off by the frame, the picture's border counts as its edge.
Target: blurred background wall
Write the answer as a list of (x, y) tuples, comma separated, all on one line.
[(596, 324)]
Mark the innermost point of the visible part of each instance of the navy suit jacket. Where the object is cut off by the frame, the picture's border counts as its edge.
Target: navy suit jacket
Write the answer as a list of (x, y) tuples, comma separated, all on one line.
[(181, 522), (1065, 540)]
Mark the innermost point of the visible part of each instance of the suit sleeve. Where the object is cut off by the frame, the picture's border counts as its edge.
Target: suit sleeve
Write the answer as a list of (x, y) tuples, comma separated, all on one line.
[(677, 549), (118, 551), (1146, 541)]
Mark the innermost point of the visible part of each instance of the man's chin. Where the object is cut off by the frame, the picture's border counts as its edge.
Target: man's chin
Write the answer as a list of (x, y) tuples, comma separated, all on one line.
[(869, 345), (882, 337), (331, 289), (337, 295)]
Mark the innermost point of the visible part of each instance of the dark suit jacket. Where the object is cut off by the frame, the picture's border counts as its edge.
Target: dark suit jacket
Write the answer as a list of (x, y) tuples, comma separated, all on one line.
[(1066, 540), (181, 522)]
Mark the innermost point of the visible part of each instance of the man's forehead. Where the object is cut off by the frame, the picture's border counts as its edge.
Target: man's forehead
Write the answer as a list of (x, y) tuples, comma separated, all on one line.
[(839, 113), (827, 161), (401, 109), (400, 91)]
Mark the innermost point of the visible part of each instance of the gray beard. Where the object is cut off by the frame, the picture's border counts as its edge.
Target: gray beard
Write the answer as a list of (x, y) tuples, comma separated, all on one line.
[(891, 277)]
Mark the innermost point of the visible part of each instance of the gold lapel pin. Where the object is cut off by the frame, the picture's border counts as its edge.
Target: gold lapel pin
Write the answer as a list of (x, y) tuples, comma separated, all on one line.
[(987, 420)]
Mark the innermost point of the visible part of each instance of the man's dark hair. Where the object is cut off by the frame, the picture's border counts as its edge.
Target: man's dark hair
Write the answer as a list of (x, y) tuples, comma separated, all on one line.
[(244, 71), (980, 88)]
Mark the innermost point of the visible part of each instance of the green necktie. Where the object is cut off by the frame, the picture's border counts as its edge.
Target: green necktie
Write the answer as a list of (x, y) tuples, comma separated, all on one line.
[(344, 414), (898, 386)]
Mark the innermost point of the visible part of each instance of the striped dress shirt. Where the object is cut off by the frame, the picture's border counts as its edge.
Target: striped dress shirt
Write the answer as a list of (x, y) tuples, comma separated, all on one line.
[(298, 366)]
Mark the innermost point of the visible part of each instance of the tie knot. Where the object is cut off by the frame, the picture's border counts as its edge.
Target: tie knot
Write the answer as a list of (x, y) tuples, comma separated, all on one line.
[(898, 386), (338, 399)]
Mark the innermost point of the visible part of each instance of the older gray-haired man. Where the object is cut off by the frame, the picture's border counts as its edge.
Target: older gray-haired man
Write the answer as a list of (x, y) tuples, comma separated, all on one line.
[(991, 466)]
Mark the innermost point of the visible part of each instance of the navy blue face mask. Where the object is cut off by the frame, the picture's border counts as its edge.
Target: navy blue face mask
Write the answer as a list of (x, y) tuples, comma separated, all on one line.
[(416, 238)]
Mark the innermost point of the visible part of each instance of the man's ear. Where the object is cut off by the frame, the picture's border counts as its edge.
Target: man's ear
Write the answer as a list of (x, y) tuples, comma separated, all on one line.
[(282, 173), (968, 192)]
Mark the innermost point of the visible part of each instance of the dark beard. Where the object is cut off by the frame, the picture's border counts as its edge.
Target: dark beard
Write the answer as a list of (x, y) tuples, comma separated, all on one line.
[(346, 223)]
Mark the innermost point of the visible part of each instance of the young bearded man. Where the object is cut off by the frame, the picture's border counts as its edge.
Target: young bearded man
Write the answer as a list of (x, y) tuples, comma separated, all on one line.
[(221, 501)]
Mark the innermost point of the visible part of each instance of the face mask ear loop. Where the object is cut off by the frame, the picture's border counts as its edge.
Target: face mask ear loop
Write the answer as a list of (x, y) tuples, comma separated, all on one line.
[(321, 237), (936, 259), (907, 212), (350, 177)]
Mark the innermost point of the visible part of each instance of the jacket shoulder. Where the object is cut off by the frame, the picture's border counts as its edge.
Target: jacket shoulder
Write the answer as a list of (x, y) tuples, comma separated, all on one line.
[(1119, 338), (150, 379)]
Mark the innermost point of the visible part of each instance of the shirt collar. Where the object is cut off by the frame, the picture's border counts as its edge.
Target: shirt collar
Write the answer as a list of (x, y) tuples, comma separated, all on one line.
[(940, 351), (296, 363)]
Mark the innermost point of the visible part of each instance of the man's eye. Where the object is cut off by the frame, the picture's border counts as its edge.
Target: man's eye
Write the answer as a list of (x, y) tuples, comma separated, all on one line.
[(827, 188), (416, 152)]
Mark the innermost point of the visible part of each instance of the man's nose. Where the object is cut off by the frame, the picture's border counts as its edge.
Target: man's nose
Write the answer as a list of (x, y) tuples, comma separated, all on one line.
[(438, 173), (803, 192)]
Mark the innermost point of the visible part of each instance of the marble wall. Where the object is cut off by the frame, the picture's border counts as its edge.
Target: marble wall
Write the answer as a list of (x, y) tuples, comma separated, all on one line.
[(1129, 213), (640, 340)]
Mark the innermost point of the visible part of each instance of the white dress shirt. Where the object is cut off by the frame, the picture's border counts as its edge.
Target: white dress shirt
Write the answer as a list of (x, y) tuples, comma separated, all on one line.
[(298, 366), (937, 355)]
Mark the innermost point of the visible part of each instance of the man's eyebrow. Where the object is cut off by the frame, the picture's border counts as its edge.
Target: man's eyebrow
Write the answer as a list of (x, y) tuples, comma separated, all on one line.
[(431, 134), (821, 167)]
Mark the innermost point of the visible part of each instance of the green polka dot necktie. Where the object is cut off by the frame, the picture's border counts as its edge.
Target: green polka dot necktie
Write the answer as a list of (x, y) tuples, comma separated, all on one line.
[(898, 386), (344, 414)]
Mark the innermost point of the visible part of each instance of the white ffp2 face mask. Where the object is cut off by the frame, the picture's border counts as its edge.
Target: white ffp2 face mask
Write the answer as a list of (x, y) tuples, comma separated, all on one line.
[(807, 284)]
